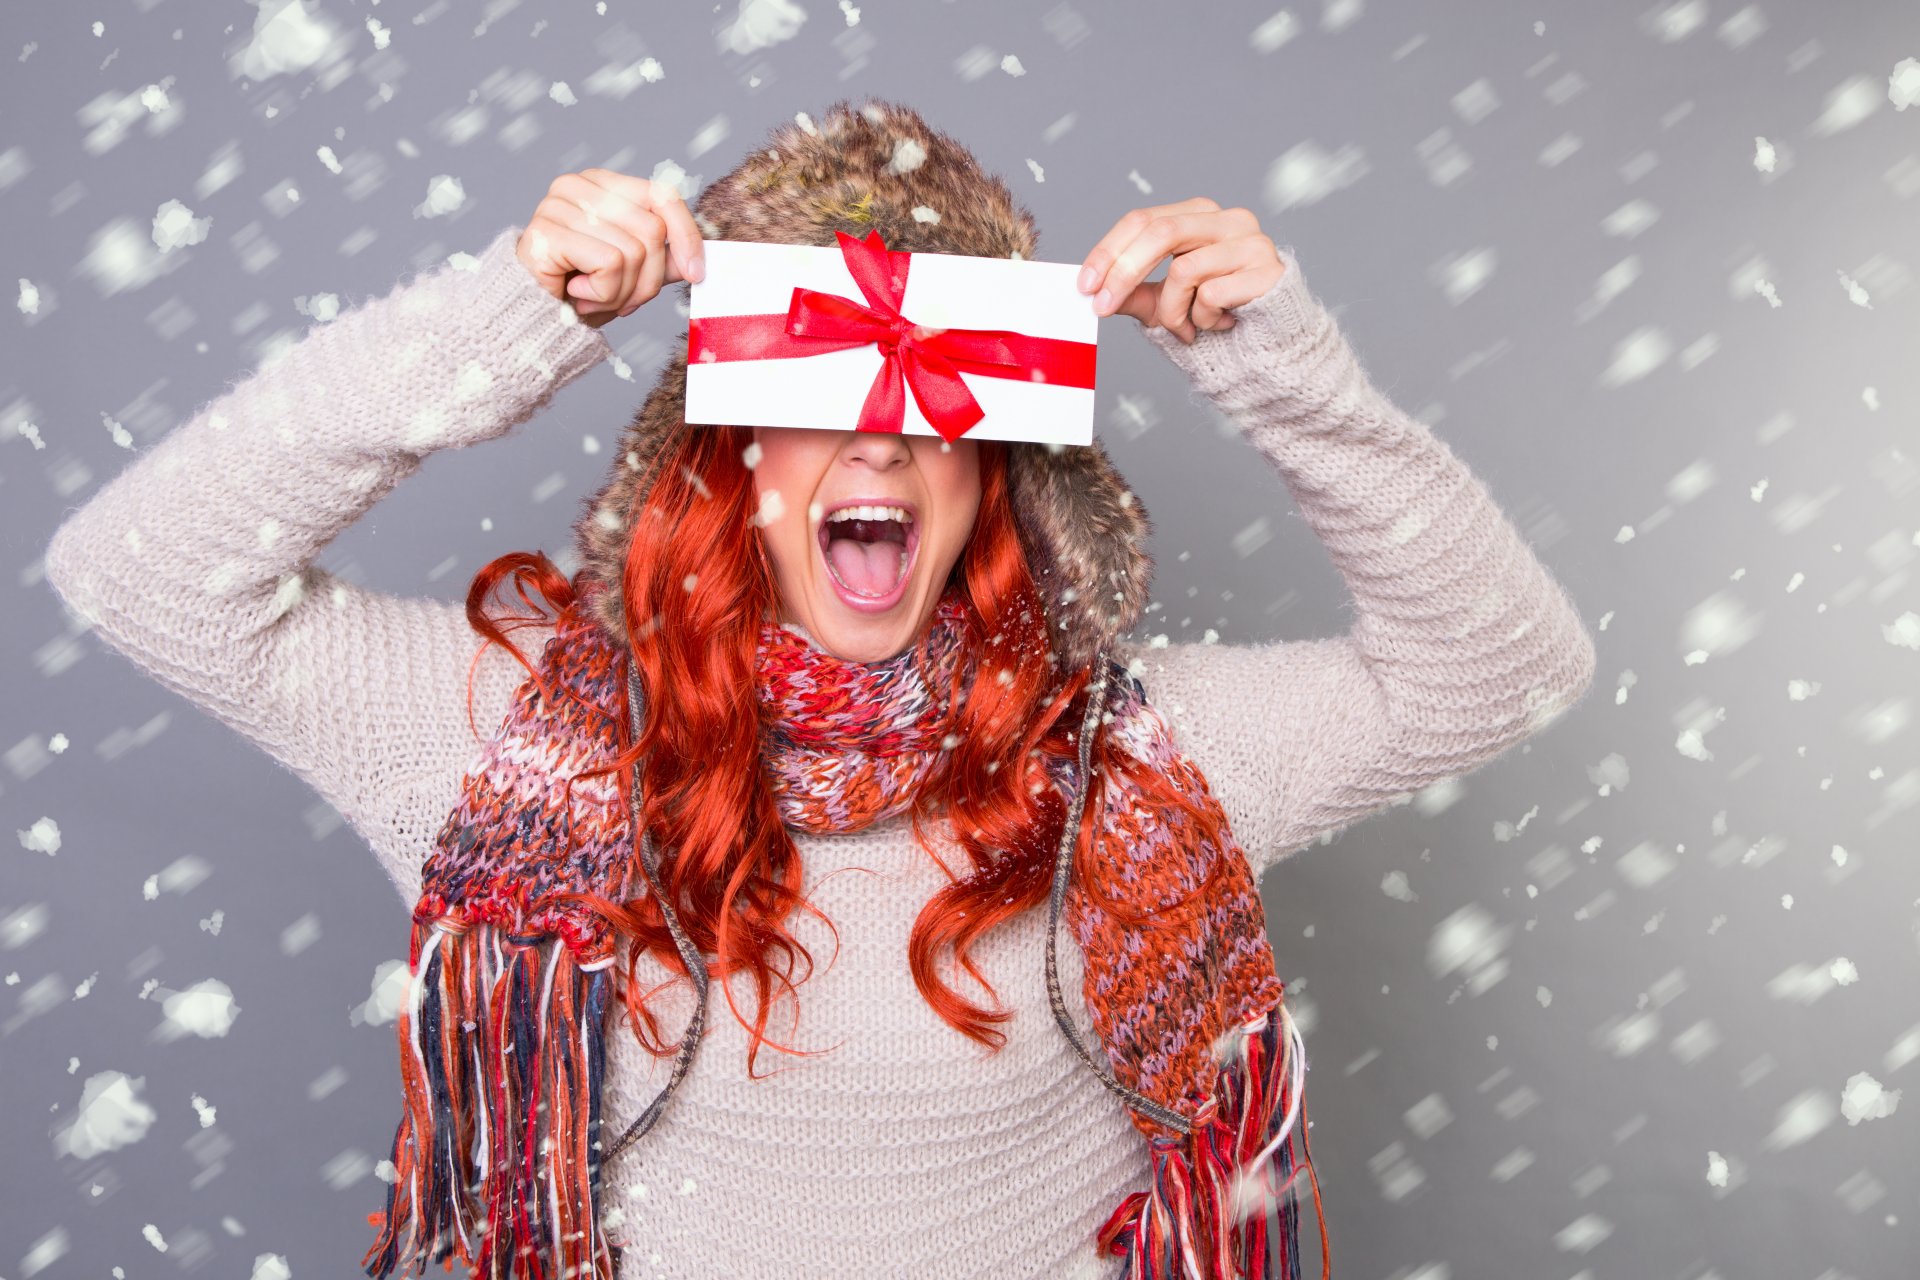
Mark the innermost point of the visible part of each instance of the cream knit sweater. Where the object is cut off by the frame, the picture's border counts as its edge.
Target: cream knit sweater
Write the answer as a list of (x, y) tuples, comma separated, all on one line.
[(903, 1149)]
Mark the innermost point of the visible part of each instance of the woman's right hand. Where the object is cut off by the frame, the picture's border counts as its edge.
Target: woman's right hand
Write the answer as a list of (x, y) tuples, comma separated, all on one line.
[(599, 240)]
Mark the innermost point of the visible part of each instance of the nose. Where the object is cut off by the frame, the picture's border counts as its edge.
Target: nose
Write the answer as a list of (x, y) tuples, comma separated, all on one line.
[(880, 450)]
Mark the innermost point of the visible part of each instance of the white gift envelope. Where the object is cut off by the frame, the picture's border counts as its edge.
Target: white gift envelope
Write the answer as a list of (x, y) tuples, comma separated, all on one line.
[(783, 335)]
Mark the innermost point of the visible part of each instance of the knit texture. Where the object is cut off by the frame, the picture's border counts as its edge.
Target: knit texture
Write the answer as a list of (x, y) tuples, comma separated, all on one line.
[(902, 1147)]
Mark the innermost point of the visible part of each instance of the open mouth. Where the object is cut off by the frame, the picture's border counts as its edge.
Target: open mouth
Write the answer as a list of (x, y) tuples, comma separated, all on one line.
[(869, 553)]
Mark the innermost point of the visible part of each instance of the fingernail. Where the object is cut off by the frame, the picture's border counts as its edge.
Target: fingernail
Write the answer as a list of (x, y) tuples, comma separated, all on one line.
[(1103, 300), (1086, 278), (697, 267)]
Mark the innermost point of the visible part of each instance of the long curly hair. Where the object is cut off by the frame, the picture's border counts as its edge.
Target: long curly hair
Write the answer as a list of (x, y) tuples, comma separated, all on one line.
[(698, 584)]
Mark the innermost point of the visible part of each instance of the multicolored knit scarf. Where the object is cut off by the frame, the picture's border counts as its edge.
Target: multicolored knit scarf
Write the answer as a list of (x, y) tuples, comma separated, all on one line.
[(498, 1155)]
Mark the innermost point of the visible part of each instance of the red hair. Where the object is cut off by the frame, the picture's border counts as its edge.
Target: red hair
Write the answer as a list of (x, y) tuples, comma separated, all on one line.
[(697, 585)]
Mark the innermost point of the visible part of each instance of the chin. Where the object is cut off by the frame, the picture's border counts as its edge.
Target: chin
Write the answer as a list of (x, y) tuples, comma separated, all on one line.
[(863, 634)]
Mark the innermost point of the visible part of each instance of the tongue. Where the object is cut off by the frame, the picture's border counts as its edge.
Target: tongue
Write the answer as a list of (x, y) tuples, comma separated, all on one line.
[(871, 568)]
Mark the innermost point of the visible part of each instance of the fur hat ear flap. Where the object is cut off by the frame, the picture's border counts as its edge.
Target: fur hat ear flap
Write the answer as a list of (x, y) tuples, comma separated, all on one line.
[(882, 167)]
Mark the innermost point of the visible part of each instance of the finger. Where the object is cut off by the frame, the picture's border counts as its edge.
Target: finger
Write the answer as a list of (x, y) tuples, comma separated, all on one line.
[(588, 208), (562, 249), (603, 211), (1163, 234), (541, 252), (1185, 274), (662, 199), (1214, 298), (653, 267), (1100, 258), (683, 234)]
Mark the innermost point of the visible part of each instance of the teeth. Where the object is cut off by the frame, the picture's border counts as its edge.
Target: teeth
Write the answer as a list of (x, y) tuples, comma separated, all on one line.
[(870, 513)]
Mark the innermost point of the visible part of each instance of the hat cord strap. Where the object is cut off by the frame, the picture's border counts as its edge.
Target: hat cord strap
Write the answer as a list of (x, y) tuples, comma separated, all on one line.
[(1062, 870), (689, 954)]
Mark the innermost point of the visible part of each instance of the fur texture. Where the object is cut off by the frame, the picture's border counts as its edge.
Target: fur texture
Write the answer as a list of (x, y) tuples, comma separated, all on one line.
[(856, 170)]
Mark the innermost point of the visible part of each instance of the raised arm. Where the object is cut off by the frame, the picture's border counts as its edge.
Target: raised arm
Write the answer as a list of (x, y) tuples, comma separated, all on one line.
[(1462, 643), (196, 561)]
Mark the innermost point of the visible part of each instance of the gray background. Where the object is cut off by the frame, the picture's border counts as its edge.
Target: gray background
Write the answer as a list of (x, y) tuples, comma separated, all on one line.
[(1563, 1023)]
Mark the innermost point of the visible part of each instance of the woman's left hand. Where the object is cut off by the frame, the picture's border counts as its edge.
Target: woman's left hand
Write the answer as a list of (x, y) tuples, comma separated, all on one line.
[(1221, 259)]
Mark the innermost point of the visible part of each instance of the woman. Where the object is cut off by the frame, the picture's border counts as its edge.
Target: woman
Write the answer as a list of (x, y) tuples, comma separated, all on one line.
[(742, 679)]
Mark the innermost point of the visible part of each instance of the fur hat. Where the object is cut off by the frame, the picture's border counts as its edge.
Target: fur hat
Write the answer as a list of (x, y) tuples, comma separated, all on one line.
[(870, 168)]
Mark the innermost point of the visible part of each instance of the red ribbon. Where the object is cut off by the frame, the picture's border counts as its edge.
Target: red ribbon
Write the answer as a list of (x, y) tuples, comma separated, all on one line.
[(928, 360)]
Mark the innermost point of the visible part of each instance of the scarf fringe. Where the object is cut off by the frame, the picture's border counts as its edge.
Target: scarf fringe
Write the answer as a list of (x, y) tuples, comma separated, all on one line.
[(1222, 1206), (503, 1052)]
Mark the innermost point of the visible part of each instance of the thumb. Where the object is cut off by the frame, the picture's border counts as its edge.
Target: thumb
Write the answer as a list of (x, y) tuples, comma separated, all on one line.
[(1141, 303)]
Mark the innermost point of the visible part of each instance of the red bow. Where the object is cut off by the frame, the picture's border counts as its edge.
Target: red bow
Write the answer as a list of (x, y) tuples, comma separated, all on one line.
[(929, 360)]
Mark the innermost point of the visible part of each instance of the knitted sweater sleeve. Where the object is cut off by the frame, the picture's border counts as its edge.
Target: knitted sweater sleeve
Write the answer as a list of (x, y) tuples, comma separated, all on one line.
[(196, 561), (1462, 643)]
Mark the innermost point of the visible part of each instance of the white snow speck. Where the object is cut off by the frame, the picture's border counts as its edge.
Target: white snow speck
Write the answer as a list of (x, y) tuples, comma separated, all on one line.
[(23, 925), (205, 1009), (119, 258), (1675, 22), (620, 81), (300, 935), (1865, 1098), (1582, 1234), (908, 155), (287, 39), (561, 93), (472, 382), (444, 196), (346, 1169), (49, 1248), (175, 225), (761, 23), (1903, 86), (110, 116), (1306, 174), (1274, 32), (178, 876), (42, 837), (1847, 104), (111, 1115), (1637, 355), (1338, 15), (1801, 1119), (708, 136), (1903, 631), (1856, 292), (389, 988)]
